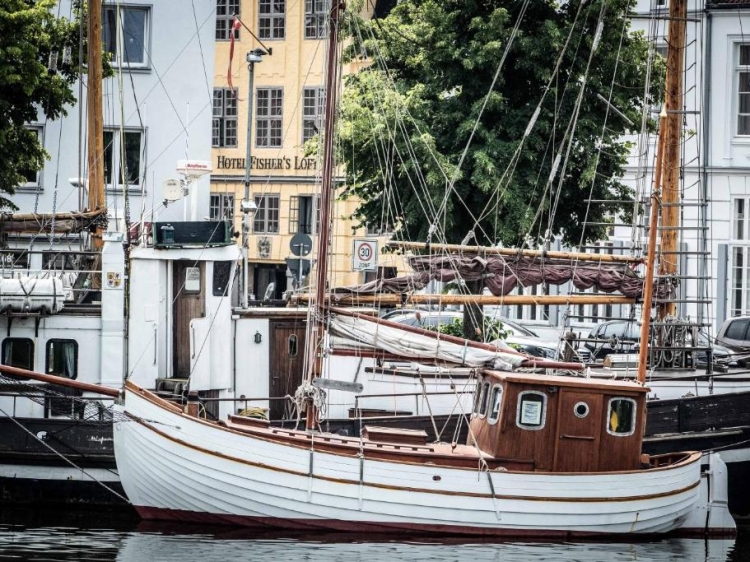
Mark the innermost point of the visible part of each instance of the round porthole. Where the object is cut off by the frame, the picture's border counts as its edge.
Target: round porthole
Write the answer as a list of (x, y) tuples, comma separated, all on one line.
[(581, 410)]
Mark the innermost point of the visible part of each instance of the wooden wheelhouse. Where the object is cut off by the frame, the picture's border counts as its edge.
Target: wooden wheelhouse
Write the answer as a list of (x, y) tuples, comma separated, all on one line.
[(559, 424)]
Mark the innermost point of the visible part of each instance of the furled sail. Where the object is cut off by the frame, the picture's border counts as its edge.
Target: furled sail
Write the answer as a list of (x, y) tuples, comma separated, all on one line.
[(61, 223), (355, 331), (502, 274)]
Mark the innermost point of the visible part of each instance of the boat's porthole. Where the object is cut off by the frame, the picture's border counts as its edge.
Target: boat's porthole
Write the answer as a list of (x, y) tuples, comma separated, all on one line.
[(581, 410), (437, 478)]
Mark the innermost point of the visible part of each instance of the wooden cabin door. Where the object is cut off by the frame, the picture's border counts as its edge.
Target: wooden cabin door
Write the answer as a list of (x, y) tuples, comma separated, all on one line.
[(287, 361), (189, 301), (579, 425)]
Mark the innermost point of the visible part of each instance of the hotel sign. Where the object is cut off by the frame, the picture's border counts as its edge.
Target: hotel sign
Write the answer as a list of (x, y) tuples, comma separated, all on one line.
[(256, 163)]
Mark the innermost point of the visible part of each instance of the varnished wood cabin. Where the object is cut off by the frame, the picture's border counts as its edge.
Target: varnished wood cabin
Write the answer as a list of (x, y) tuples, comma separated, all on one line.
[(559, 424)]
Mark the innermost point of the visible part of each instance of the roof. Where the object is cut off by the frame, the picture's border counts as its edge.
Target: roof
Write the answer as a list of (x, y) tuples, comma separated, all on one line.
[(608, 385)]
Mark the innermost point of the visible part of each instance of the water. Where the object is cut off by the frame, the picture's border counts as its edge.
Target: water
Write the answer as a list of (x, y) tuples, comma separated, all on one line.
[(62, 538)]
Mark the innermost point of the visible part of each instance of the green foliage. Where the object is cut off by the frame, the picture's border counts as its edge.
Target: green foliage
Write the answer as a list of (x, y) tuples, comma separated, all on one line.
[(407, 117), (493, 329), (29, 32)]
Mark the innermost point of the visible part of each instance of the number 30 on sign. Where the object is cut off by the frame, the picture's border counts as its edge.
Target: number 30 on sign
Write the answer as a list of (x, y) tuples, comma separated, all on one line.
[(365, 255)]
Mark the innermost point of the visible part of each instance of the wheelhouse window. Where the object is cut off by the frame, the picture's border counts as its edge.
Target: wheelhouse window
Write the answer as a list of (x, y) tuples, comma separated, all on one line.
[(272, 19), (129, 46), (316, 12), (532, 410), (484, 399), (621, 417), (480, 396), (225, 12), (224, 124), (222, 275), (496, 401), (61, 261), (192, 283), (18, 352), (267, 216), (269, 102), (62, 358)]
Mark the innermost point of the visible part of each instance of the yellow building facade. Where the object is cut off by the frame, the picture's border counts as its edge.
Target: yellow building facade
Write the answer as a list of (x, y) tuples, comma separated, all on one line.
[(287, 109)]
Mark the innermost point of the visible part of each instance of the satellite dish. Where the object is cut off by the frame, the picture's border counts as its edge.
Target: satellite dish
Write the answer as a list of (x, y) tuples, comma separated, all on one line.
[(171, 190), (194, 169)]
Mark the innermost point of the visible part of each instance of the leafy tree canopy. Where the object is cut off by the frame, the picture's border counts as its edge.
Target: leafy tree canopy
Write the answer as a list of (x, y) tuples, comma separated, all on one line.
[(29, 32), (407, 117)]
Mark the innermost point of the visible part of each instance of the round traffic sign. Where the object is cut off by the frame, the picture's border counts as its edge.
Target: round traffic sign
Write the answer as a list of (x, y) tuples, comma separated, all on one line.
[(365, 251), (300, 244)]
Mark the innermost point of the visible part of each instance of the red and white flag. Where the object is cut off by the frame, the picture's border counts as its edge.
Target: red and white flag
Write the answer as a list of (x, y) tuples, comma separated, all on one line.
[(235, 26)]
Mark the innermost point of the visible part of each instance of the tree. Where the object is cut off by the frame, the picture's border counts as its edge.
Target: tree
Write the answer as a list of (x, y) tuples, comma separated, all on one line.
[(407, 117), (31, 37)]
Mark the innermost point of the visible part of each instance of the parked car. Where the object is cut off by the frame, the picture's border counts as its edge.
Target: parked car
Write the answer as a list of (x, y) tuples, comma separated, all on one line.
[(734, 334), (622, 336)]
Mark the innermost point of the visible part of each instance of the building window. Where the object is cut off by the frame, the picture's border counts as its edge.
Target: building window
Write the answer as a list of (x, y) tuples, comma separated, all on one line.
[(224, 128), (316, 16), (18, 352), (268, 120), (272, 19), (740, 258), (32, 176), (222, 206), (532, 410), (621, 417), (128, 48), (267, 216), (743, 90), (62, 358), (313, 107), (304, 214), (225, 12), (116, 146)]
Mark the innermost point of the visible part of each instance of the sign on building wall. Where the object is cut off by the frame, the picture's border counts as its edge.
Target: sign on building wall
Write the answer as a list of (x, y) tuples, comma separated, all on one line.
[(365, 255)]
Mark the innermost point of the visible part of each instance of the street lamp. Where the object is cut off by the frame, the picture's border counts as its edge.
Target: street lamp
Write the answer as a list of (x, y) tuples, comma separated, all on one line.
[(247, 206)]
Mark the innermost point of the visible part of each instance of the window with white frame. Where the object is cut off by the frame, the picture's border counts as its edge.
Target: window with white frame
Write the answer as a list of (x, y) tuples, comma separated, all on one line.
[(272, 19), (313, 107), (267, 216), (224, 125), (225, 12), (221, 206), (32, 176), (125, 33), (742, 71), (316, 14), (739, 276), (268, 117), (122, 157)]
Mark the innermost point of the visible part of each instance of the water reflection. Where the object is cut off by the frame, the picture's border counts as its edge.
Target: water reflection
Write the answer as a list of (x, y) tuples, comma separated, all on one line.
[(153, 542)]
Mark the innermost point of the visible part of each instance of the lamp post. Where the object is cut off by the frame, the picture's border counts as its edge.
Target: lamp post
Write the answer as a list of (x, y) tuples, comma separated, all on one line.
[(247, 206)]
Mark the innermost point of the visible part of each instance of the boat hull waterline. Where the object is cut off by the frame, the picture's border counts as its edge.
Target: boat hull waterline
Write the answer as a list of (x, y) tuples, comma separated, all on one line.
[(229, 477)]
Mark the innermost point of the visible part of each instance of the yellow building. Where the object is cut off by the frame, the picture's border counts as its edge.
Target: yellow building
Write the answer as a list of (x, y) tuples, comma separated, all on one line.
[(287, 108)]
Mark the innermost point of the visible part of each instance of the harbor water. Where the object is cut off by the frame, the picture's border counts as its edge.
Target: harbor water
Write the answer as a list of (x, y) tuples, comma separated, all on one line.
[(93, 537)]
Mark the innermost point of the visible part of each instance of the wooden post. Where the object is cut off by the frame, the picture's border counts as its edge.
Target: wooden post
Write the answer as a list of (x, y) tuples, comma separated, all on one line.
[(95, 124), (669, 259)]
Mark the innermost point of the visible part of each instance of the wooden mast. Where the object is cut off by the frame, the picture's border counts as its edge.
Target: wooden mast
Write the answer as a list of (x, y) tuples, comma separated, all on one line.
[(671, 196), (391, 299), (95, 124), (315, 353)]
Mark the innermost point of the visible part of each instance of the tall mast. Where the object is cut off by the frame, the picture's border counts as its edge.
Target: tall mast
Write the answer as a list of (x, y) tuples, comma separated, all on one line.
[(315, 356), (94, 105), (674, 105)]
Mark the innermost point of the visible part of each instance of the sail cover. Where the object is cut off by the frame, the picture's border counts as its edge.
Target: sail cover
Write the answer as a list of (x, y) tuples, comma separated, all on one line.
[(351, 332), (44, 223), (502, 274)]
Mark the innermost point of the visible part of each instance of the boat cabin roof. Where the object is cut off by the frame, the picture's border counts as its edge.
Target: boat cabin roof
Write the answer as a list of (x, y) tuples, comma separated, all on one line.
[(568, 381)]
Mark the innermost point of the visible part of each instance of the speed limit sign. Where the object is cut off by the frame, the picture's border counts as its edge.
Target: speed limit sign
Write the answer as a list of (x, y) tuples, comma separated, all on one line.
[(365, 255)]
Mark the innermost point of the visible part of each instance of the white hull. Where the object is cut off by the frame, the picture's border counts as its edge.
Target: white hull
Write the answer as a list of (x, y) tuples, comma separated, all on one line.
[(175, 466)]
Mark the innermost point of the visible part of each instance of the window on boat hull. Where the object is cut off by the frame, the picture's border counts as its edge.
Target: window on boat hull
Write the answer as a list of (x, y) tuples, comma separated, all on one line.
[(496, 401), (621, 417), (532, 410), (18, 352)]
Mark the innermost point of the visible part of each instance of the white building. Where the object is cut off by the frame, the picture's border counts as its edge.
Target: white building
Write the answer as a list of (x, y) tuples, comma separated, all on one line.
[(161, 96)]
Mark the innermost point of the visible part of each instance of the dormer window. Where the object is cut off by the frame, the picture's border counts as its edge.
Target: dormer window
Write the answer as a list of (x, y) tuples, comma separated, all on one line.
[(532, 410)]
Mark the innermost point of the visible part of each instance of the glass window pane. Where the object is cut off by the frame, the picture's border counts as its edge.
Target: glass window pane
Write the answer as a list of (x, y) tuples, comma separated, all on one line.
[(531, 410), (134, 35), (621, 419), (743, 125), (132, 158), (745, 55)]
